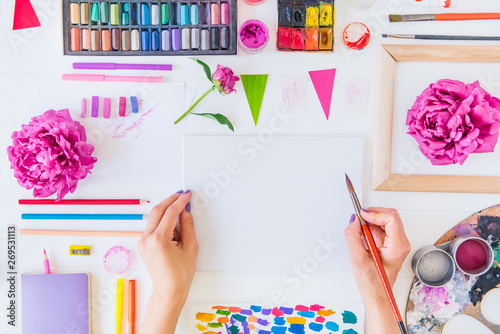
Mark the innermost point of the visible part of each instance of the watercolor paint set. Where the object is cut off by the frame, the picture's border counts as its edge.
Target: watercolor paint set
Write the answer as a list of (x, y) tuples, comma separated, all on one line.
[(306, 25), (144, 28)]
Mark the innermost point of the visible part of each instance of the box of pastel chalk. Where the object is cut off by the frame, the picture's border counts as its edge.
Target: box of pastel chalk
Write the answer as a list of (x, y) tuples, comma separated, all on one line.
[(306, 25), (146, 28)]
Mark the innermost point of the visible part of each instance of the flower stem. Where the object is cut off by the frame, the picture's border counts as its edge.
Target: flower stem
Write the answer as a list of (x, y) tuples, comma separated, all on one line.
[(195, 104)]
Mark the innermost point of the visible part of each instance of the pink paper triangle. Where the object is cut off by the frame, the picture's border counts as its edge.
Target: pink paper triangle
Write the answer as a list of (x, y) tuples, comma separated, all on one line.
[(24, 15), (323, 84)]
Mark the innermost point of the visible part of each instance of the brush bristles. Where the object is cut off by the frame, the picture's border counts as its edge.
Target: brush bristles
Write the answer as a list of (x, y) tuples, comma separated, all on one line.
[(349, 184), (395, 18)]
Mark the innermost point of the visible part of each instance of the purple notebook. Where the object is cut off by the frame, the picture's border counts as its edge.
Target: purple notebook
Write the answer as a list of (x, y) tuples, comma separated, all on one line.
[(55, 303)]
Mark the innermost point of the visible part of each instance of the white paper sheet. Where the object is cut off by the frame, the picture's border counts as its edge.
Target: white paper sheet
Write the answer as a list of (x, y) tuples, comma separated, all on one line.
[(268, 203), (140, 155)]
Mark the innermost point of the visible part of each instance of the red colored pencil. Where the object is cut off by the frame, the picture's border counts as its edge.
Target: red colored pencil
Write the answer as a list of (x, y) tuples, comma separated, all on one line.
[(83, 202), (372, 248)]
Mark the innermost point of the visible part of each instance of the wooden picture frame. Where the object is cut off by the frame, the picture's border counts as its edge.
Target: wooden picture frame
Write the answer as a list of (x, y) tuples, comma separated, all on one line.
[(382, 177)]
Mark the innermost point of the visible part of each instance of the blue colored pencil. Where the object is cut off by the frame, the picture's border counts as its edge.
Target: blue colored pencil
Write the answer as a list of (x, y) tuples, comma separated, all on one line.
[(84, 216)]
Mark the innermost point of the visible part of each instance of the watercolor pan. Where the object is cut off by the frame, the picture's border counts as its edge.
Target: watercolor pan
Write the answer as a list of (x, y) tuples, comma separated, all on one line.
[(306, 25), (150, 27)]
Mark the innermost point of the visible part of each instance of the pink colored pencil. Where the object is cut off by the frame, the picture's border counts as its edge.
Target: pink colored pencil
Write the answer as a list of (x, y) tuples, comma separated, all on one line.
[(46, 264)]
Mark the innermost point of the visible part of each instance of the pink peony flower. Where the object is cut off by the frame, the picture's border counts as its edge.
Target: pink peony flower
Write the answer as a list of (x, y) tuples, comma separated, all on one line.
[(51, 154), (224, 79), (451, 120)]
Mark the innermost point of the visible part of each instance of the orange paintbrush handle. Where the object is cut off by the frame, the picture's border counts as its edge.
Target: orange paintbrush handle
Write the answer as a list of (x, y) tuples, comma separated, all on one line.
[(372, 248), (467, 16)]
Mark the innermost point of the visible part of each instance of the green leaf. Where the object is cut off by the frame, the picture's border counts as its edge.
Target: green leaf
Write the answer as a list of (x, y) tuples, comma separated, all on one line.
[(206, 68), (217, 117)]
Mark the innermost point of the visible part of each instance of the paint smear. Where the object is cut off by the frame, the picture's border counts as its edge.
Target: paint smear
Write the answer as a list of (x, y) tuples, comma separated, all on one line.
[(286, 310), (296, 328), (246, 312), (234, 330), (316, 307), (134, 127), (308, 314), (433, 307), (277, 313), (222, 312), (251, 327), (349, 318), (205, 317), (214, 325), (349, 331), (315, 327), (211, 332), (266, 311), (278, 330), (239, 317), (256, 308), (219, 307), (320, 319), (262, 322), (252, 319), (333, 326), (223, 320), (296, 320), (325, 313), (301, 308), (279, 321), (234, 309), (200, 327)]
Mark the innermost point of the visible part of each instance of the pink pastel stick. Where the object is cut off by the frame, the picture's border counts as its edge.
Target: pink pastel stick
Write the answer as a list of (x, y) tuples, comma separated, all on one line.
[(123, 106), (83, 108), (106, 108), (123, 78), (83, 77), (95, 106)]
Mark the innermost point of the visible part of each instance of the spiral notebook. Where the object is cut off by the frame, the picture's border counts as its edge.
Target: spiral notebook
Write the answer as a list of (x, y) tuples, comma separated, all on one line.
[(55, 303)]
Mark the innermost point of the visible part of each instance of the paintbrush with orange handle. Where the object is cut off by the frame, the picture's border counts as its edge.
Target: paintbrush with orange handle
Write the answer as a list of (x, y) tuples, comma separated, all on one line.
[(443, 17), (372, 248)]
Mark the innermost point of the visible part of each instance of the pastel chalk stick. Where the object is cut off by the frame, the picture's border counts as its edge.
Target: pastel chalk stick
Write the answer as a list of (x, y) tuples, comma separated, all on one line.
[(133, 103), (95, 106), (106, 107), (122, 106)]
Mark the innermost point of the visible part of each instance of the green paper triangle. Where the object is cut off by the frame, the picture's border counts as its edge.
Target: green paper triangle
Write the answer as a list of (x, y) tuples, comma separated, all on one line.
[(255, 86)]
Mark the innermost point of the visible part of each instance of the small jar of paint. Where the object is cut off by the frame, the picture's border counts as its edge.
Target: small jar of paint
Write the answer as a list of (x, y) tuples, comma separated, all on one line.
[(473, 255), (253, 36), (433, 266), (254, 2), (356, 36)]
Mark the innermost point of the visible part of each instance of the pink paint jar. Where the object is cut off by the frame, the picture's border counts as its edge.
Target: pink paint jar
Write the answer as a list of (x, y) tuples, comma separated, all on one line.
[(473, 255), (254, 2), (253, 36)]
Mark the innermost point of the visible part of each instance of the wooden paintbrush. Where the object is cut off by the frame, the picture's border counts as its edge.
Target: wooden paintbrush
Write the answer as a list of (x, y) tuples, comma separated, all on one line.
[(443, 17), (372, 248)]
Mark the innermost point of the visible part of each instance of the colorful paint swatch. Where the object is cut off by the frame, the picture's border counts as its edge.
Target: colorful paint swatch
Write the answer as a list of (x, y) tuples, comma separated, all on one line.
[(25, 16), (340, 319), (149, 27), (305, 25), (255, 86), (323, 84)]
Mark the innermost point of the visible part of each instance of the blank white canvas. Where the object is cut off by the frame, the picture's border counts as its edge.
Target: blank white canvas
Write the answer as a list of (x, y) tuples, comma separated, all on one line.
[(269, 203)]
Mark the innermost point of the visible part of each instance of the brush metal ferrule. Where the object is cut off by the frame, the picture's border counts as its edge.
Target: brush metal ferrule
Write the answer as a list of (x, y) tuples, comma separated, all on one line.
[(405, 36), (357, 207), (418, 17)]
